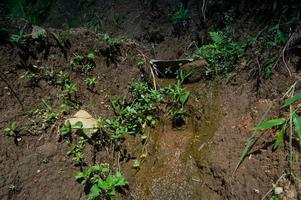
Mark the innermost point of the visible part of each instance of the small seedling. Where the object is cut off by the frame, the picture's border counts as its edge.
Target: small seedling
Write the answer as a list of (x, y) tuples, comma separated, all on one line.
[(19, 39), (91, 57), (77, 151), (90, 82), (181, 17), (136, 164), (12, 130), (66, 130)]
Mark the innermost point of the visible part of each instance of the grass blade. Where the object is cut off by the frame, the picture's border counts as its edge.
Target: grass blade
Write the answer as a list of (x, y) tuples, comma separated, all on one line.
[(280, 137), (292, 100), (297, 122), (270, 123)]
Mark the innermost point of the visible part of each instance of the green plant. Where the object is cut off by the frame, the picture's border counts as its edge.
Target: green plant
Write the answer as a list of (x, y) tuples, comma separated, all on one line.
[(19, 39), (90, 82), (77, 151), (83, 64), (33, 11), (91, 57), (61, 40), (178, 97), (69, 89), (136, 164), (284, 124), (100, 182), (181, 17), (12, 130), (222, 55), (66, 130), (50, 76), (63, 78), (32, 77)]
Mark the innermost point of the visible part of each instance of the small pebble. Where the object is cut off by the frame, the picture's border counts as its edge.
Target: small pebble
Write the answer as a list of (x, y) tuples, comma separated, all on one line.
[(278, 190)]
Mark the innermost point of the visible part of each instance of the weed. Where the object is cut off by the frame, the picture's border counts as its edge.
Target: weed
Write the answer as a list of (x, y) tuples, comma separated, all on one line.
[(222, 55), (136, 164), (83, 64), (12, 130), (19, 39), (178, 97), (100, 182), (12, 188), (69, 90), (181, 17), (66, 130), (61, 40), (91, 57), (32, 77), (77, 151), (63, 78), (90, 82), (50, 76)]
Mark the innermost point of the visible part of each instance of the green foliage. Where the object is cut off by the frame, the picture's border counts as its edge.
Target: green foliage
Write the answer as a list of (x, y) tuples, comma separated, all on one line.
[(83, 64), (222, 54), (66, 130), (135, 113), (19, 39), (31, 76), (181, 17), (61, 40), (90, 82), (77, 151), (12, 130), (177, 97), (136, 164), (100, 181), (33, 11)]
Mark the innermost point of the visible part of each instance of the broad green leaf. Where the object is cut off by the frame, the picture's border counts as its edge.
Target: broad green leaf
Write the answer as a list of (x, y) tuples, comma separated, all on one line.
[(95, 191), (7, 130), (78, 125), (184, 97), (270, 123), (14, 126), (280, 137), (292, 100), (297, 122)]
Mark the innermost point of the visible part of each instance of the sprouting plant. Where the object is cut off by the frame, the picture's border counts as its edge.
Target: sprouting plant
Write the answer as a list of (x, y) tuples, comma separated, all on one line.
[(136, 164), (49, 115), (181, 17), (41, 35), (66, 130), (141, 63), (12, 188), (100, 181), (110, 46), (61, 40), (32, 77), (178, 98), (83, 64), (90, 82), (77, 151), (91, 57), (19, 39), (63, 78), (50, 76), (12, 130), (69, 89)]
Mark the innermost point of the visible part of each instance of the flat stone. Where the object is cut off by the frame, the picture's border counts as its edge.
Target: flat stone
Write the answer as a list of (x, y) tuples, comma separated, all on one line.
[(198, 70), (87, 120)]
